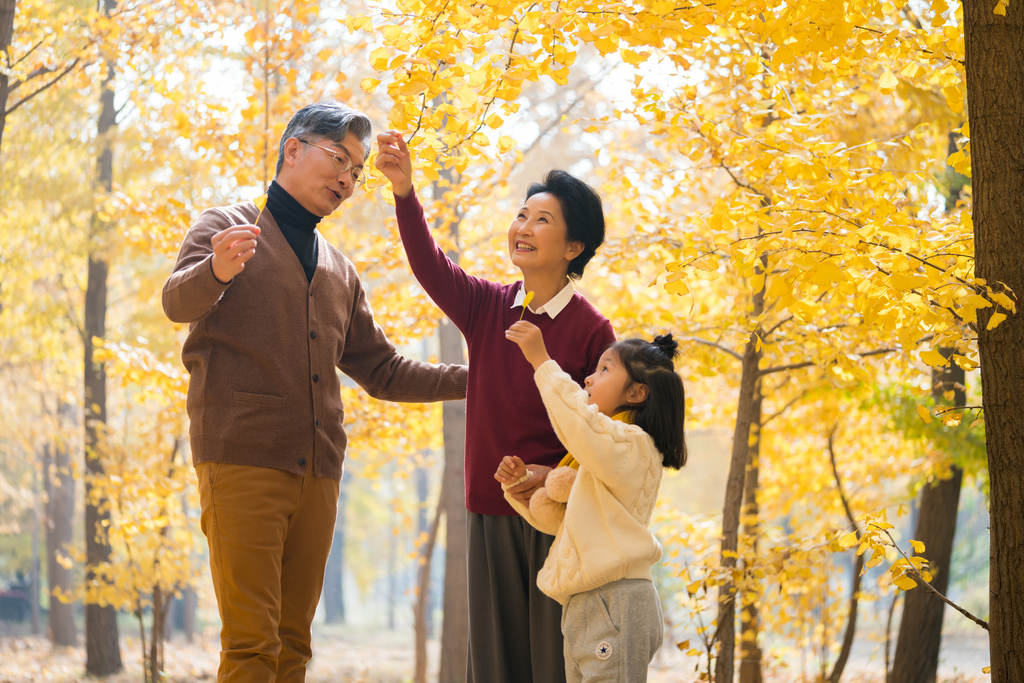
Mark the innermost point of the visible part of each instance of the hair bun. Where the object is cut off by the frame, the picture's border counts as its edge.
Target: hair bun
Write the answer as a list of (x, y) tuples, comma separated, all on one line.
[(667, 345)]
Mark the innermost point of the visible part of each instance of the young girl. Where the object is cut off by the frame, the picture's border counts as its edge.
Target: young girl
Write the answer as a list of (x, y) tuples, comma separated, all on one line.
[(620, 430), (514, 629)]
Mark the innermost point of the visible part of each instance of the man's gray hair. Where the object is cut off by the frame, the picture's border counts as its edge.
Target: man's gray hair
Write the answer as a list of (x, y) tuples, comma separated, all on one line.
[(328, 119)]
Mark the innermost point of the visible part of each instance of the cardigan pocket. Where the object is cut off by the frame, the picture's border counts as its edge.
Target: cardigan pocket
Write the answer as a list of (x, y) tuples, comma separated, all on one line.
[(259, 399)]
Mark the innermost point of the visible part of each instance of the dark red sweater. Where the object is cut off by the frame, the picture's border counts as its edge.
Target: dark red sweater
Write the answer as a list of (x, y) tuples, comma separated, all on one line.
[(504, 411)]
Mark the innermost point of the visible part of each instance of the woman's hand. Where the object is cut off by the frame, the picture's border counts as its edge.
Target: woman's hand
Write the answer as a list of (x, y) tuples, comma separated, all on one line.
[(530, 340), (394, 162)]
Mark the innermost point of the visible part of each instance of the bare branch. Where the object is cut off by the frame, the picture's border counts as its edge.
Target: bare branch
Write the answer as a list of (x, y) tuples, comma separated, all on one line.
[(706, 342), (807, 364), (59, 76)]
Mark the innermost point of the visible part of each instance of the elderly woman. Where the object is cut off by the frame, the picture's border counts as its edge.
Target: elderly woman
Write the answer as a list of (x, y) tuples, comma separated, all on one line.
[(515, 634)]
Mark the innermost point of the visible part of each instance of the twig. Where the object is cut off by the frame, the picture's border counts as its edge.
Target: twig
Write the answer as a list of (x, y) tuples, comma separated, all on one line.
[(706, 342), (912, 570)]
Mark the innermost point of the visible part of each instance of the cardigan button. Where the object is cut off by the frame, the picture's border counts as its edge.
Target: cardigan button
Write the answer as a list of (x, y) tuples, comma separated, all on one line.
[(318, 422), (316, 378), (312, 335), (302, 462)]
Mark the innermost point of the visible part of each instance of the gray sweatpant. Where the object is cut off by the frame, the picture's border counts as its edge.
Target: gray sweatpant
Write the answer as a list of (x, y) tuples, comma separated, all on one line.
[(612, 632)]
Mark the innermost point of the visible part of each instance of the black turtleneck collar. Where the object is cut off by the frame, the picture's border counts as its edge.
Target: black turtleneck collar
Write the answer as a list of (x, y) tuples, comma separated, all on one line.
[(297, 225)]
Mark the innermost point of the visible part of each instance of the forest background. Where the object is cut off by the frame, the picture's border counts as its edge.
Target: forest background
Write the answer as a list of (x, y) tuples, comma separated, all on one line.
[(790, 188)]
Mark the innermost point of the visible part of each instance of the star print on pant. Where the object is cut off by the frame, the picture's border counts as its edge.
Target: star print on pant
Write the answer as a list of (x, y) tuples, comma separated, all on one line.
[(604, 650)]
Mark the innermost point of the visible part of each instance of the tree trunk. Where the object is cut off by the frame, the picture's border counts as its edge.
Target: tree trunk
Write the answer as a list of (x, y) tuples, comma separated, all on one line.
[(858, 569), (917, 646), (423, 593), (750, 651), (7, 9), (422, 494), (726, 634), (994, 60), (455, 628), (189, 599), (60, 510), (33, 596), (334, 594), (103, 652)]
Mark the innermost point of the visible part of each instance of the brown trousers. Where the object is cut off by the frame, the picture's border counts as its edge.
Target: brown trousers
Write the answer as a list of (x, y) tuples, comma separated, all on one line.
[(269, 532)]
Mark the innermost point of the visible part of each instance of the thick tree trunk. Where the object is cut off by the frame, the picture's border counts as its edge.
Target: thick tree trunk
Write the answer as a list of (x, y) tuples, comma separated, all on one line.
[(60, 509), (455, 628), (103, 652), (917, 646), (7, 9), (725, 664), (750, 651), (994, 61), (334, 595)]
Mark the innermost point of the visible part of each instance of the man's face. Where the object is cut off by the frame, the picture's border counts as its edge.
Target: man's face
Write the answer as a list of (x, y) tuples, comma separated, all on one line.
[(310, 176)]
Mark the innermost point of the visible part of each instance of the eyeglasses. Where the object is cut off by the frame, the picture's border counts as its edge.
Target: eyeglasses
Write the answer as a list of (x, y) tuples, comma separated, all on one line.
[(342, 165)]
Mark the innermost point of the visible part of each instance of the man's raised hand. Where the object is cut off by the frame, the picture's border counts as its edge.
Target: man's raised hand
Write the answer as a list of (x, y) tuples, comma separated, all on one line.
[(394, 162), (231, 249)]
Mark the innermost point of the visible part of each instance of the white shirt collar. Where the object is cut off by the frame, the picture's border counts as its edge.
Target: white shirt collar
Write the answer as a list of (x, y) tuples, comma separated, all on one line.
[(552, 308)]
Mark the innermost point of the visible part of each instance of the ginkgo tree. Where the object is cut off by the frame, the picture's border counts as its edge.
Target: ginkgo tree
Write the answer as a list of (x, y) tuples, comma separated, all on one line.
[(828, 122)]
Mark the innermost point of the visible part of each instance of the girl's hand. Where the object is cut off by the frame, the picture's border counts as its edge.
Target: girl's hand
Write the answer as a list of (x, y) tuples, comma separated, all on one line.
[(394, 162), (530, 340)]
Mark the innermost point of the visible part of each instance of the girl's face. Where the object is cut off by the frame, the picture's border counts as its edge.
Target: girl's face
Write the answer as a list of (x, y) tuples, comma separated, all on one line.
[(538, 238), (610, 387)]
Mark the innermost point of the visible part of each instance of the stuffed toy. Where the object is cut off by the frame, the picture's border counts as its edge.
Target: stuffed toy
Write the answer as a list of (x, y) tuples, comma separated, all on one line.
[(547, 504)]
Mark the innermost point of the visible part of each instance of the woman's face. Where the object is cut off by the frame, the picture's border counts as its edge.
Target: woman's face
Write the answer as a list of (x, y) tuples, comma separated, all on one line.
[(538, 238)]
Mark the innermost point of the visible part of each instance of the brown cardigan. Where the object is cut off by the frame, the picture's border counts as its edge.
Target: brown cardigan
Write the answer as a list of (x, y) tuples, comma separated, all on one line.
[(262, 350)]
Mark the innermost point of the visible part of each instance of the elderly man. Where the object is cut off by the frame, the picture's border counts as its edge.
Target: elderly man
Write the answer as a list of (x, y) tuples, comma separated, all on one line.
[(268, 325)]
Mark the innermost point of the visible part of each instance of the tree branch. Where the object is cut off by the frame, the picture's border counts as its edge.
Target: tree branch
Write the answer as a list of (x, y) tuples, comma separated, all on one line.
[(25, 99), (807, 364), (912, 570), (725, 349)]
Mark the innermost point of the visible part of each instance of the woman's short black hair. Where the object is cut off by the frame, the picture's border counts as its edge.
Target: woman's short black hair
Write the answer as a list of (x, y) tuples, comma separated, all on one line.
[(583, 213), (663, 414)]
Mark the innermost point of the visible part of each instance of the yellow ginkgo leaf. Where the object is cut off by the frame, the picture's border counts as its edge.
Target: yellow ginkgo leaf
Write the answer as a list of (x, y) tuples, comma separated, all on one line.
[(526, 302), (924, 414), (261, 203)]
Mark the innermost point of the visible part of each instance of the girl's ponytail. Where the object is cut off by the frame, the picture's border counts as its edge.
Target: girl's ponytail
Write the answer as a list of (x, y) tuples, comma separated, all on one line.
[(663, 414)]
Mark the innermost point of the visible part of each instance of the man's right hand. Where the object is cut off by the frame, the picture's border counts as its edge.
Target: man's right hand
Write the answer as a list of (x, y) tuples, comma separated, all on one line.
[(231, 249)]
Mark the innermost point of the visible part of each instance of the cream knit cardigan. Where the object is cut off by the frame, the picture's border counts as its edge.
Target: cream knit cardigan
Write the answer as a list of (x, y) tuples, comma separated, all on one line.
[(603, 536)]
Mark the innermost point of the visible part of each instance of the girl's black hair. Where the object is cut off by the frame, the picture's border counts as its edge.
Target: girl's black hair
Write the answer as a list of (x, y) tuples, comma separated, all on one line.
[(581, 208), (663, 414)]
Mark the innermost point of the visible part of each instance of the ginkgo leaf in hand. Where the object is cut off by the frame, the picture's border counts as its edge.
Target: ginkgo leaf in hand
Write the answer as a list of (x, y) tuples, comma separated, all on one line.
[(526, 302), (261, 203)]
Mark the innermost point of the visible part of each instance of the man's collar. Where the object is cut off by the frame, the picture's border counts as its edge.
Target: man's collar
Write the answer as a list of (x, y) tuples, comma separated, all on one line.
[(552, 308)]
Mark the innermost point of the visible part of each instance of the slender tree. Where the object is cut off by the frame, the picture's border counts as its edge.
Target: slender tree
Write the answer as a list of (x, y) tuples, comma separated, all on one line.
[(103, 651), (917, 646), (60, 506), (994, 61)]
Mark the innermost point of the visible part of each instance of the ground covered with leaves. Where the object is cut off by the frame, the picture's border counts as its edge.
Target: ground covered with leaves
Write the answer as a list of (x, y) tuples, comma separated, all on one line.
[(351, 655)]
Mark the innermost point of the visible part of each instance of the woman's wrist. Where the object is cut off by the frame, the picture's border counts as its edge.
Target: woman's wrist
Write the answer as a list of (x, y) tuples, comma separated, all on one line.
[(401, 191)]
